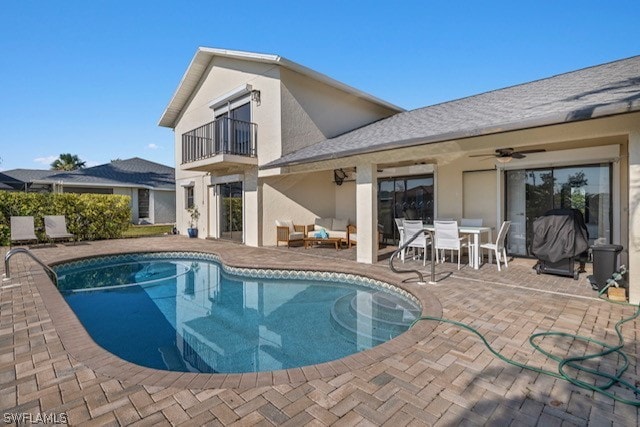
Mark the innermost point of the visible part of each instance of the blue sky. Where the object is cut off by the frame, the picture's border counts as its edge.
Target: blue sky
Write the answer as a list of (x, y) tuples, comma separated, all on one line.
[(92, 78)]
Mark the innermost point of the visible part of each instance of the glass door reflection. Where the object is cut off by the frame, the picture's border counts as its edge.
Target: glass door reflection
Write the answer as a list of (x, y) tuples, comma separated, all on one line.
[(231, 211)]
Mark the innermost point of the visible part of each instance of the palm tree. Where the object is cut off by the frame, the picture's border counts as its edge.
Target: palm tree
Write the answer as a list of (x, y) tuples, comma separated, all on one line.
[(67, 162)]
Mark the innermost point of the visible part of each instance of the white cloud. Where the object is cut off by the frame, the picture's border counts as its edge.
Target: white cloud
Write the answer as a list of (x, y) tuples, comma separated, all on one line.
[(153, 146), (47, 160)]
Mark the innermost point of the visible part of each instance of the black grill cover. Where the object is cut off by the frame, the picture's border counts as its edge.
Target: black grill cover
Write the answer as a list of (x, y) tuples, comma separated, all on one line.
[(559, 234)]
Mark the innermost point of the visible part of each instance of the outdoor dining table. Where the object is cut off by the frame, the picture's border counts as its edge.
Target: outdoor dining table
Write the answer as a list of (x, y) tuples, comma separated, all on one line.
[(476, 232)]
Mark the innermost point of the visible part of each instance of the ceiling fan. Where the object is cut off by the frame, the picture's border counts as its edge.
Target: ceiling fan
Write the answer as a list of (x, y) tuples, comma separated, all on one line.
[(504, 155)]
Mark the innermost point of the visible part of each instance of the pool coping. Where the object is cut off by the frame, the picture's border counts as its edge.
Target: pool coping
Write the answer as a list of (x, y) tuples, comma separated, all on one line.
[(81, 347)]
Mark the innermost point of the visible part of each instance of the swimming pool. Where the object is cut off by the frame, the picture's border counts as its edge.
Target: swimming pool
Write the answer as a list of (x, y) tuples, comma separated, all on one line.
[(186, 312)]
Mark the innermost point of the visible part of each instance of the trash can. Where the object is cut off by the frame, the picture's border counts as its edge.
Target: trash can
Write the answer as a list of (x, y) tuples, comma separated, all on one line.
[(605, 263)]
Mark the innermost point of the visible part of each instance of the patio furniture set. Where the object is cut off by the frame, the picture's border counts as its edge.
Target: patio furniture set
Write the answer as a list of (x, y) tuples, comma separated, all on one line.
[(325, 231), (447, 234), (334, 232), (444, 234)]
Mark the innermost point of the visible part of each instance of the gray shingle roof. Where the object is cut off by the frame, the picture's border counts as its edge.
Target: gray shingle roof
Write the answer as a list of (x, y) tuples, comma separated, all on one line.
[(607, 89), (134, 172), (25, 175)]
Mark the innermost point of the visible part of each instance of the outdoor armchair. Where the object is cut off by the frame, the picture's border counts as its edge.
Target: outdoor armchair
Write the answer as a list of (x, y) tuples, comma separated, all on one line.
[(287, 231), (352, 235)]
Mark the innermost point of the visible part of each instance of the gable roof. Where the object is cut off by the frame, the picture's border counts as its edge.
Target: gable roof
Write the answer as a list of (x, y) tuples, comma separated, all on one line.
[(203, 57), (134, 172), (599, 91)]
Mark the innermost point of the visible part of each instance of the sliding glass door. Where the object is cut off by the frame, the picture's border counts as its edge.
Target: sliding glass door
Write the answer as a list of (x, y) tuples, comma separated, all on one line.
[(404, 197), (532, 192), (231, 213)]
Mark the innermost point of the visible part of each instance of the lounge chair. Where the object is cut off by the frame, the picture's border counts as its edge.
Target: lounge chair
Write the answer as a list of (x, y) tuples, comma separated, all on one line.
[(23, 230), (55, 227)]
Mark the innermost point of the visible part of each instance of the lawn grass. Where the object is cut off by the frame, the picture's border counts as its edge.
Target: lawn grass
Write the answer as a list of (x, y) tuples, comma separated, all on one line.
[(147, 230)]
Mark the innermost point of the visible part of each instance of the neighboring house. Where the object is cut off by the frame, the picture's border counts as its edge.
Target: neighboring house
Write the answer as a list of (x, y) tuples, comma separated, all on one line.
[(150, 185), (583, 125)]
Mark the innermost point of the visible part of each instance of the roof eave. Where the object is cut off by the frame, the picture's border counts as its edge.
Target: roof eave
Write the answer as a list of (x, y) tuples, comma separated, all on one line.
[(98, 184), (550, 120)]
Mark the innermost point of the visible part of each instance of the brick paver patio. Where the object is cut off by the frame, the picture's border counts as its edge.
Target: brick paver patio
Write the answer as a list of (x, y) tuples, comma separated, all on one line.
[(435, 374)]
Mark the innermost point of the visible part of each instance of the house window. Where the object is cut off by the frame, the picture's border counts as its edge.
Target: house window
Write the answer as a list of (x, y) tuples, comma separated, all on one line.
[(143, 203), (189, 202)]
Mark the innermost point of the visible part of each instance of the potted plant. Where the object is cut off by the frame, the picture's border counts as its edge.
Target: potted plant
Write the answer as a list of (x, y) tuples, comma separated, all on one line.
[(195, 214)]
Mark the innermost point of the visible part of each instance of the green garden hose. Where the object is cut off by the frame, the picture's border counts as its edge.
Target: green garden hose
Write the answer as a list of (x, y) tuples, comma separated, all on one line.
[(571, 362)]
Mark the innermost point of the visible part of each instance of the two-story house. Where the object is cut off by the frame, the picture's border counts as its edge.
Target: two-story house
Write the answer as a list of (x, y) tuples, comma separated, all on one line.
[(260, 138), (234, 112)]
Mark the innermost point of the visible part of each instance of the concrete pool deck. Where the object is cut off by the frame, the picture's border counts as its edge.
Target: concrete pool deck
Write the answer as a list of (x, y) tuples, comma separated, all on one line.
[(435, 374)]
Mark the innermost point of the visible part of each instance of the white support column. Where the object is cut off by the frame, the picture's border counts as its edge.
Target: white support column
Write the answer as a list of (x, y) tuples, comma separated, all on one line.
[(367, 213), (634, 217), (251, 208)]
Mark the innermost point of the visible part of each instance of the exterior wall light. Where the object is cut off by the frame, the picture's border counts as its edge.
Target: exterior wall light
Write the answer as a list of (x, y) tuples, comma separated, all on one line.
[(255, 96)]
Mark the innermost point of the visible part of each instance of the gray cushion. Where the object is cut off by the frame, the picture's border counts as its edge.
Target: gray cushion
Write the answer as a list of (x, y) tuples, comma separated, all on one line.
[(325, 223), (340, 224)]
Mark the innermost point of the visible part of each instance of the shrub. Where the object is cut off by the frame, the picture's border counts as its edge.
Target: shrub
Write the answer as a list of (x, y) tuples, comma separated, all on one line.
[(89, 216)]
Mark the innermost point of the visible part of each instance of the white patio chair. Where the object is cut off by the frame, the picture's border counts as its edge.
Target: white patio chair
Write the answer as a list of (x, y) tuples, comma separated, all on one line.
[(471, 222), (399, 226), (55, 228), (498, 247), (447, 236), (410, 228), (22, 229)]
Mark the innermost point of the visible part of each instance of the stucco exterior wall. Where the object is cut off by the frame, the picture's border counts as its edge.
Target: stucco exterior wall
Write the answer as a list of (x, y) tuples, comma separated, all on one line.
[(313, 111), (634, 217), (346, 201), (222, 76), (300, 197)]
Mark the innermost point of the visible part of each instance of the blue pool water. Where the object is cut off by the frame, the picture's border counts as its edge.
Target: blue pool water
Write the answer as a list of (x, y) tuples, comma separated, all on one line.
[(189, 314)]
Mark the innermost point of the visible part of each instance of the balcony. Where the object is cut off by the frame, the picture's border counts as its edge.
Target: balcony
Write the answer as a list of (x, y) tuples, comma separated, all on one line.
[(223, 143)]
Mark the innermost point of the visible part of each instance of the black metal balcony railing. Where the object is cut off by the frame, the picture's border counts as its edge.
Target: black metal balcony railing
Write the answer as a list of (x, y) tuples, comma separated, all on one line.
[(221, 136)]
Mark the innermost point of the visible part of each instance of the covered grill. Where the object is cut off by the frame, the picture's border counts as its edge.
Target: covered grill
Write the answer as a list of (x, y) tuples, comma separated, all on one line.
[(559, 236)]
